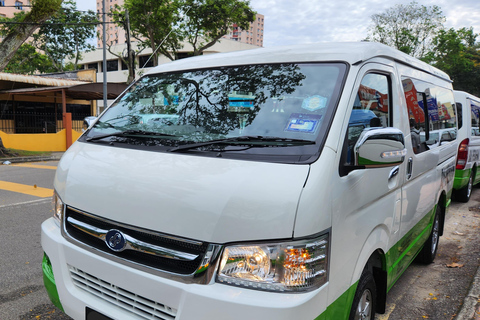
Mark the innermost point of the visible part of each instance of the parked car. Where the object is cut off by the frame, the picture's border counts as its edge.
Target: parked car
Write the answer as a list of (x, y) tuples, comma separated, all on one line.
[(467, 174), (272, 194)]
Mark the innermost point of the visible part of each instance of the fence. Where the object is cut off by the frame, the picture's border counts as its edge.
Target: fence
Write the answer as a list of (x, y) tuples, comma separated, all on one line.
[(36, 122)]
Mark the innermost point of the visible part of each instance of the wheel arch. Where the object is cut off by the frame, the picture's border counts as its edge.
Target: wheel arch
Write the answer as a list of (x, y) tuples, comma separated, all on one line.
[(372, 258), (443, 203)]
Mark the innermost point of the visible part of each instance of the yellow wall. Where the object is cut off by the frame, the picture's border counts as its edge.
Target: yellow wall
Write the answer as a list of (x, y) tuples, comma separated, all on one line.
[(38, 141)]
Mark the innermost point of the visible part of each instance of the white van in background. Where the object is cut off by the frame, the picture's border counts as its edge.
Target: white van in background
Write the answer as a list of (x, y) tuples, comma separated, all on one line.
[(288, 183), (468, 159)]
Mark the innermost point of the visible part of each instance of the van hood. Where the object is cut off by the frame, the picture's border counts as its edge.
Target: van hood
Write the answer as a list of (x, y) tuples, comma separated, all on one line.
[(208, 199)]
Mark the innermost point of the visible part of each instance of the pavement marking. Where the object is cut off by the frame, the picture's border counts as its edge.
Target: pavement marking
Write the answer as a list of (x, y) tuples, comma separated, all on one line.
[(36, 166), (387, 313), (23, 203), (26, 189)]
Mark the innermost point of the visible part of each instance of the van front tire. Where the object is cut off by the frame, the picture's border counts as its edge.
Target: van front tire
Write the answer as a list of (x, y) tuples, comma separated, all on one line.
[(364, 302), (429, 250)]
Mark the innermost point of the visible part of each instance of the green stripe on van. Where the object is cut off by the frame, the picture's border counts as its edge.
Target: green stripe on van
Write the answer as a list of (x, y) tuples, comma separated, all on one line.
[(461, 178), (397, 259), (49, 282), (340, 308)]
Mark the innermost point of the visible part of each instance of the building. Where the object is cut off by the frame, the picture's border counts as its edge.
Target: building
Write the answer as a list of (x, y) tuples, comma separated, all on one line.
[(46, 113), (117, 72), (116, 35), (253, 36), (9, 7)]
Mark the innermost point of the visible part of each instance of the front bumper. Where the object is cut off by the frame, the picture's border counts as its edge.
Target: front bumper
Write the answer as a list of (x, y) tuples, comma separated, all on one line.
[(85, 279)]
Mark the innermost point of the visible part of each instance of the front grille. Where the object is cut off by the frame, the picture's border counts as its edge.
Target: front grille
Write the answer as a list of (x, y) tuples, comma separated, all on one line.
[(129, 301), (150, 238)]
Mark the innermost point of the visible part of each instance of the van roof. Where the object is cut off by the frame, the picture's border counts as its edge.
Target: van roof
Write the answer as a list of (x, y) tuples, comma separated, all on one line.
[(463, 94), (350, 52)]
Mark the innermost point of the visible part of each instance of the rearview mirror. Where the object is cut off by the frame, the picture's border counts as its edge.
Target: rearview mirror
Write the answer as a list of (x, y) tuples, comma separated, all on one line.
[(380, 147)]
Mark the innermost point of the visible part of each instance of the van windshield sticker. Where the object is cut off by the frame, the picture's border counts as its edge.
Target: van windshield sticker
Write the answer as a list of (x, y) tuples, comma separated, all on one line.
[(302, 122), (240, 102), (314, 103)]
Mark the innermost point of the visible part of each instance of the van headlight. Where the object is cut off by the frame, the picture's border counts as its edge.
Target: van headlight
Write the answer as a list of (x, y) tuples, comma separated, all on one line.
[(281, 267), (58, 208)]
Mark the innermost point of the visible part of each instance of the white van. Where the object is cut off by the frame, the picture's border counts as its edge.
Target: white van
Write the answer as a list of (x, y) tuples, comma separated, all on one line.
[(468, 159), (288, 187)]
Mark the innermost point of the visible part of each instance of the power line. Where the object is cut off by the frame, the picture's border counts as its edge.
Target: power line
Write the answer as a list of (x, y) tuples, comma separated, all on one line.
[(54, 24)]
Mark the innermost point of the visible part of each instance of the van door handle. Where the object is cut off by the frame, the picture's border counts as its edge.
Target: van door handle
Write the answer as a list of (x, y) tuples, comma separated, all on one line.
[(394, 172), (409, 168)]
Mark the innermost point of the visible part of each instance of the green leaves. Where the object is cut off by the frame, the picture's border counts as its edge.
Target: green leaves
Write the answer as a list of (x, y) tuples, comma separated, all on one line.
[(166, 25), (65, 35), (409, 28), (457, 53)]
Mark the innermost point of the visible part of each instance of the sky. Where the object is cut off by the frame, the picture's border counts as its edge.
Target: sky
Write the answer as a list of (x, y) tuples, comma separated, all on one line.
[(290, 22)]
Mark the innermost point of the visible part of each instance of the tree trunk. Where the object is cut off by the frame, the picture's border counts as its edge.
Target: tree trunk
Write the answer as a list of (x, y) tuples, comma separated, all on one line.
[(3, 151), (41, 11)]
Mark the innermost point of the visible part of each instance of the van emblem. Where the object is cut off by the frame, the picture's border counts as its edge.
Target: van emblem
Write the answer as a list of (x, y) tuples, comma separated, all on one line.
[(115, 240)]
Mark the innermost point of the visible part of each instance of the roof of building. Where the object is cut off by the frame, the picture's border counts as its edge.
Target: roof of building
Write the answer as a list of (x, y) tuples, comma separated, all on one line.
[(80, 91), (10, 81)]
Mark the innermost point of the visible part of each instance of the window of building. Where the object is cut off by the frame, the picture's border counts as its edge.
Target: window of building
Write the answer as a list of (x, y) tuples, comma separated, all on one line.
[(92, 66), (18, 5), (112, 65), (143, 59), (2, 4)]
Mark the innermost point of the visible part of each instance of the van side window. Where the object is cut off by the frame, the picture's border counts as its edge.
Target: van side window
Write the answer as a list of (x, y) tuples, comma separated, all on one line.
[(370, 109), (423, 98), (475, 108), (459, 114)]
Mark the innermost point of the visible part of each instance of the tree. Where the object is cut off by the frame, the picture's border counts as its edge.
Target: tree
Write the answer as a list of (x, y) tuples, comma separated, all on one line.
[(16, 34), (154, 23), (457, 53), (209, 20), (28, 61), (408, 28), (65, 36), (127, 55), (164, 25)]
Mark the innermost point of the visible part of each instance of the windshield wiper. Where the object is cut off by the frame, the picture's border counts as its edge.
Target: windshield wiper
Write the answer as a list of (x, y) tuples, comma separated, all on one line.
[(127, 133), (254, 141)]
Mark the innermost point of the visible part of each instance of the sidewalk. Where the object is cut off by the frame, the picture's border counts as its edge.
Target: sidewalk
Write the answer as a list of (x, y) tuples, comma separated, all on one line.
[(471, 305), (53, 157)]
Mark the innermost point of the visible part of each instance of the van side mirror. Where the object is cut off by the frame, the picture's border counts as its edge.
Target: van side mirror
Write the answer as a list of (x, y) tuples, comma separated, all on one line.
[(380, 147)]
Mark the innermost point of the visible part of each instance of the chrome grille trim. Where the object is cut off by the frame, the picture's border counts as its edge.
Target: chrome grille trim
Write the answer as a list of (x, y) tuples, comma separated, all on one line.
[(129, 301), (194, 242), (204, 274), (132, 243)]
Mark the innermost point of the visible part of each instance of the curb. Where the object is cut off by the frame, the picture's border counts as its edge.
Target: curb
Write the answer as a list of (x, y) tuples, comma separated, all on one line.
[(472, 300), (53, 157)]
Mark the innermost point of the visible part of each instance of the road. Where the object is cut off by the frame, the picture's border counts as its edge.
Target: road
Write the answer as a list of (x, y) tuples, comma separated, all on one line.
[(435, 291), (25, 202)]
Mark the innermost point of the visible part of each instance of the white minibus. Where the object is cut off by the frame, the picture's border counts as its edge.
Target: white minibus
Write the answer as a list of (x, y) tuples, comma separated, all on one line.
[(281, 183), (468, 159)]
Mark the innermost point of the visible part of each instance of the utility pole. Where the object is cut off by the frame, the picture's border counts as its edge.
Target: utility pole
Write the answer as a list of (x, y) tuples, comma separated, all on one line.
[(105, 90)]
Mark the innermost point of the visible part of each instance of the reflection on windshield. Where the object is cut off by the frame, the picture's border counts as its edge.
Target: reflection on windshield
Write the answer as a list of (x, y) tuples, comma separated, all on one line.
[(287, 101)]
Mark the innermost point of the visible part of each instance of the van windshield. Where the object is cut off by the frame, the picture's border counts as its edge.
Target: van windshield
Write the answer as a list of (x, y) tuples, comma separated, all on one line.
[(255, 110)]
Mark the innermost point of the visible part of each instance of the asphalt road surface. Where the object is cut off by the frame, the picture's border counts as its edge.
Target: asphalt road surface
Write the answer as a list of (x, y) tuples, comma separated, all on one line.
[(435, 291), (25, 202)]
